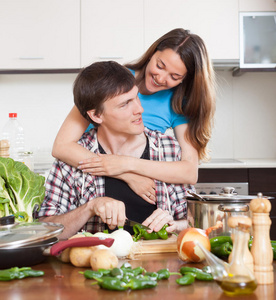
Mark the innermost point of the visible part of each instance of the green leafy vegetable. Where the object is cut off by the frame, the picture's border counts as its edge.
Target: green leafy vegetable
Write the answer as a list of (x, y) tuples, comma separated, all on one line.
[(21, 190)]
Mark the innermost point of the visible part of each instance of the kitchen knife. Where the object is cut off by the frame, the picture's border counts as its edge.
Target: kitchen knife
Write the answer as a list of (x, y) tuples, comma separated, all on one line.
[(132, 223)]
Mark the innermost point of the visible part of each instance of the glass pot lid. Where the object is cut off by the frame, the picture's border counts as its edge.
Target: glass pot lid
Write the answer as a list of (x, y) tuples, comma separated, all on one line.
[(22, 234)]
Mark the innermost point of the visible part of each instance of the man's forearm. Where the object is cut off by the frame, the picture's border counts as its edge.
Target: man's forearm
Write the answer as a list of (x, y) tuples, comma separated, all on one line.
[(71, 221)]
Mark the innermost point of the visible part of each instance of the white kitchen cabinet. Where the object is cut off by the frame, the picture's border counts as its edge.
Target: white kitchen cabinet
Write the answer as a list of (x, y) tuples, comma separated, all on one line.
[(38, 34), (257, 5), (215, 21), (111, 30)]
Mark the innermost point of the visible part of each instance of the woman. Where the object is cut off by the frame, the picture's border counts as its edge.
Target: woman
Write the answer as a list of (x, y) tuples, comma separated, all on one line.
[(177, 89)]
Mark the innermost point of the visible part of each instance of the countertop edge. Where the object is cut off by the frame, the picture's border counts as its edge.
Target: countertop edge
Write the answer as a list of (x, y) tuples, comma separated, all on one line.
[(239, 164)]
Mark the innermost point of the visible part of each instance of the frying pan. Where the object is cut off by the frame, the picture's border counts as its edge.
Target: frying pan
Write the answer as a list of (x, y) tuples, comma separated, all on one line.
[(36, 253), (28, 244)]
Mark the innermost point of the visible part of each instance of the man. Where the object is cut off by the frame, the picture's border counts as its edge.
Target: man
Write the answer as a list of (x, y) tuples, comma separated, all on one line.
[(106, 94)]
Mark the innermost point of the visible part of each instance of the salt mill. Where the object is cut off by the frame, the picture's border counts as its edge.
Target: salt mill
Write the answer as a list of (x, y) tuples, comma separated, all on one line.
[(261, 247), (233, 222), (4, 148)]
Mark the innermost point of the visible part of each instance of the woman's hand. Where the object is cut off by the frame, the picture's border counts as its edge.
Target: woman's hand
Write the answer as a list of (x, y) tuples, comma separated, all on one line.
[(141, 185), (113, 166), (104, 165), (158, 219)]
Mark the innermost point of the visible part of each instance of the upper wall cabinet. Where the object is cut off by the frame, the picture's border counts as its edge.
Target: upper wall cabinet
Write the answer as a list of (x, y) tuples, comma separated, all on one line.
[(38, 34), (257, 5), (215, 21), (111, 30)]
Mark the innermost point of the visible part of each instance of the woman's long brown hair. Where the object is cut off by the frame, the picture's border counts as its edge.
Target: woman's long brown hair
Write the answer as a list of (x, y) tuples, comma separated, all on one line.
[(195, 96)]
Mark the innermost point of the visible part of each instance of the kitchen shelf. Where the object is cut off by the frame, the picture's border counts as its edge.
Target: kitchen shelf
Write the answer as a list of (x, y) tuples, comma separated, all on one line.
[(239, 71), (40, 71), (219, 65), (223, 64)]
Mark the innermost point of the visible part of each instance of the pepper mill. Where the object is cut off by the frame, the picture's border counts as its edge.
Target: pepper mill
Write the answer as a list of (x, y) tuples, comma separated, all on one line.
[(233, 222), (4, 148), (261, 246)]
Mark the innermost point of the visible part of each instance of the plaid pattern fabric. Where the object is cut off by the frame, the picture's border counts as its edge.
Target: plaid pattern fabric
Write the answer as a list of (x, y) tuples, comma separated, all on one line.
[(169, 196), (68, 188)]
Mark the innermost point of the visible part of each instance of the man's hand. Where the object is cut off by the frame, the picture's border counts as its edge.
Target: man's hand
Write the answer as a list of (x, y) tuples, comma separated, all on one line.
[(111, 211), (158, 219)]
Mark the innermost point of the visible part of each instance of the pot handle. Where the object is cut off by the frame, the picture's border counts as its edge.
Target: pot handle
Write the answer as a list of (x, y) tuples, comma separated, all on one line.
[(57, 248), (232, 208)]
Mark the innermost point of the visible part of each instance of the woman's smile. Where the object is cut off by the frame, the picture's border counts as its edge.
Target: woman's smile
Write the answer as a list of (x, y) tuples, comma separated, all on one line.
[(155, 82), (165, 70)]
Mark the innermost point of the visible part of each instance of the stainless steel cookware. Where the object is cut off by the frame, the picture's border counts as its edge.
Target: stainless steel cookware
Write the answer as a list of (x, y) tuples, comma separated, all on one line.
[(205, 211), (28, 244)]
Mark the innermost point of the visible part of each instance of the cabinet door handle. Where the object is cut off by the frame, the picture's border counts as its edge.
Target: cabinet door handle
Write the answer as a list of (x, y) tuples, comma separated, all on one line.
[(111, 57), (30, 58)]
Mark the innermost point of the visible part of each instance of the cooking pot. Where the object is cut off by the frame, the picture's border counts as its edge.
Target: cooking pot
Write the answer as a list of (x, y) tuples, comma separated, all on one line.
[(28, 244), (204, 211)]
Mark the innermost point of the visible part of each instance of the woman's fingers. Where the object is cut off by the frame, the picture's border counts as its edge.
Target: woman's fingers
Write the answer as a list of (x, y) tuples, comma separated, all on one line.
[(149, 198), (91, 164)]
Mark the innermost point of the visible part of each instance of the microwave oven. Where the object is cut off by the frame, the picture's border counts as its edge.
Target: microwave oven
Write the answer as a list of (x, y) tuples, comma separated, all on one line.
[(257, 40)]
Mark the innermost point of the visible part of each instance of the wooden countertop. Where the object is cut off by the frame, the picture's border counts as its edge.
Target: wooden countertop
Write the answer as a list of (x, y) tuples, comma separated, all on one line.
[(63, 281)]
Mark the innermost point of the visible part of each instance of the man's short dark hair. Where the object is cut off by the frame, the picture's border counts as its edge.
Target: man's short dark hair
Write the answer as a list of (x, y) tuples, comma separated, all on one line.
[(99, 82)]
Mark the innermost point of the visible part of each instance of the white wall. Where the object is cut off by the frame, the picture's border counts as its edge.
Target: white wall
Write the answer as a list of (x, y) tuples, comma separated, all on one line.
[(42, 102), (245, 125)]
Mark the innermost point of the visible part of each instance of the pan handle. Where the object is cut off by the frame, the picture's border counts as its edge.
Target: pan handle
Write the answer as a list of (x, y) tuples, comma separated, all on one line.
[(233, 208), (57, 248)]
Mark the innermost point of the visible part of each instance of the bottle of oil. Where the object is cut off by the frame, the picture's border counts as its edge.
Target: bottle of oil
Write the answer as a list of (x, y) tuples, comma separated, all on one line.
[(240, 279), (14, 133)]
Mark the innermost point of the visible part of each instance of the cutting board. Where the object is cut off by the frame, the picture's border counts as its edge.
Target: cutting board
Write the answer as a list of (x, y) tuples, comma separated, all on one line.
[(156, 246)]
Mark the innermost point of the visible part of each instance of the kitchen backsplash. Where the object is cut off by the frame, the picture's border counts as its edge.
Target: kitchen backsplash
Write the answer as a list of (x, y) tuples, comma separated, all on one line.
[(245, 122)]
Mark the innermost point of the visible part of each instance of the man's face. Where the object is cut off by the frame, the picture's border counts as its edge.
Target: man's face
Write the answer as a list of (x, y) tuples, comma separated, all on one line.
[(123, 114)]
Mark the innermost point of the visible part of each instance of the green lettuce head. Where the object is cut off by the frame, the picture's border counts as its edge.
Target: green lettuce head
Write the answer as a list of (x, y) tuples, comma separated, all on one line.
[(21, 190)]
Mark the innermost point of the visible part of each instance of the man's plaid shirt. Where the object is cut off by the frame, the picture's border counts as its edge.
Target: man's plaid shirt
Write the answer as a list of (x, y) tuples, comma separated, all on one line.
[(68, 188)]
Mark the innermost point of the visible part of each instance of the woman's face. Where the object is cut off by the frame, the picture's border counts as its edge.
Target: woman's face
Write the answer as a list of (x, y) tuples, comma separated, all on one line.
[(165, 70)]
